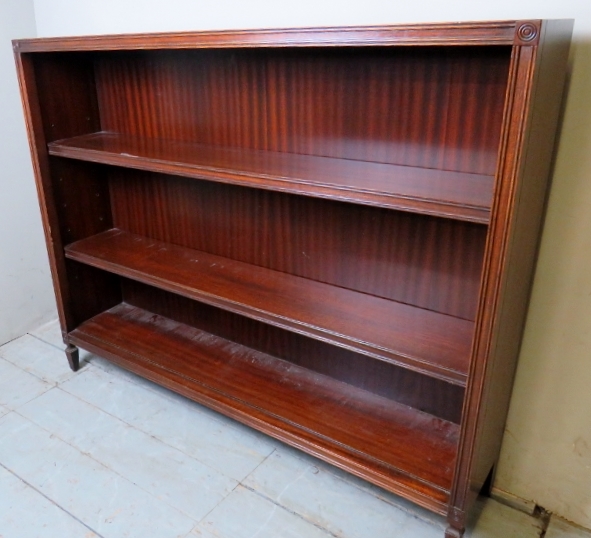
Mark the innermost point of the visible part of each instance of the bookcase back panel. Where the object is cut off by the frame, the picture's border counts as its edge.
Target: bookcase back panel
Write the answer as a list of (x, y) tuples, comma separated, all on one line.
[(429, 262), (422, 392), (434, 107)]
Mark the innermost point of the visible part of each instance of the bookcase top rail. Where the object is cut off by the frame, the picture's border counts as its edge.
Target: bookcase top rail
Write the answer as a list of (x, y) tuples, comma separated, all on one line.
[(471, 33)]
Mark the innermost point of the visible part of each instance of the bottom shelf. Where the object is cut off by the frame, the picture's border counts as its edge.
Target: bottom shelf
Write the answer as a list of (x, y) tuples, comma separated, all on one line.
[(397, 447)]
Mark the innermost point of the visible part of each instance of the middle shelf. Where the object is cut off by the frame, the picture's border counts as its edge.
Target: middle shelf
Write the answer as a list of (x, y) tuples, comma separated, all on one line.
[(421, 340)]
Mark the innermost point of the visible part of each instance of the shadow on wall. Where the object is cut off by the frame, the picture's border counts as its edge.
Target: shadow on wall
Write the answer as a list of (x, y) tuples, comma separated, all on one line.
[(546, 455)]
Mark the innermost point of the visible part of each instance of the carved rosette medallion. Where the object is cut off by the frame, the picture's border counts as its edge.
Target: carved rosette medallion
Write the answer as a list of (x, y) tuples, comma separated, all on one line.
[(527, 32)]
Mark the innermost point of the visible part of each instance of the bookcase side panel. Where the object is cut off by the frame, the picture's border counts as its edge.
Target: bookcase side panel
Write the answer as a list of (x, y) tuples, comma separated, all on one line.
[(531, 120), (534, 161), (40, 161), (79, 197), (59, 100)]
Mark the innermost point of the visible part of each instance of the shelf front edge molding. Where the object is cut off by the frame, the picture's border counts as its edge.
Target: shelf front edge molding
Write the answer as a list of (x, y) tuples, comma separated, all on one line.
[(212, 370), (422, 340), (444, 193)]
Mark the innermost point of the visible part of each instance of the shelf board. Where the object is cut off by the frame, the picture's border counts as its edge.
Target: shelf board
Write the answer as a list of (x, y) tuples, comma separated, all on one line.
[(458, 195), (422, 340), (397, 446)]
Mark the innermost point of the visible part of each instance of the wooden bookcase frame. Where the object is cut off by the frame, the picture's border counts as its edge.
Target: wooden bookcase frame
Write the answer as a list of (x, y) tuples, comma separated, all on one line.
[(328, 234)]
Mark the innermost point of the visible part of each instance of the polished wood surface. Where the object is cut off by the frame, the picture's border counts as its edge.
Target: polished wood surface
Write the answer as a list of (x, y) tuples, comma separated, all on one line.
[(288, 401), (425, 341), (537, 81), (465, 33), (364, 104), (464, 196), (368, 191), (422, 392), (370, 250)]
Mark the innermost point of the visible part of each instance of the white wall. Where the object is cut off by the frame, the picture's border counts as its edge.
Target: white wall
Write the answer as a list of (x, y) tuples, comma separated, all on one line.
[(26, 297), (547, 449)]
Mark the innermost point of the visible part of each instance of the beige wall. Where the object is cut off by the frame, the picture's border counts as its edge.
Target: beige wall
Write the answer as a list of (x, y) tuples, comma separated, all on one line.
[(547, 449), (546, 452)]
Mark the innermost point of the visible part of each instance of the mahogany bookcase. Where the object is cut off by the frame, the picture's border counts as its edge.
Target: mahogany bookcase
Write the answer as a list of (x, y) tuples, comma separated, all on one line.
[(328, 234)]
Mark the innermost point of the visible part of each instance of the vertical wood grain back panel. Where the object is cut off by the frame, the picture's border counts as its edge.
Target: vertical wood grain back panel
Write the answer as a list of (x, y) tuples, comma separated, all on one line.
[(410, 388), (426, 261), (435, 107)]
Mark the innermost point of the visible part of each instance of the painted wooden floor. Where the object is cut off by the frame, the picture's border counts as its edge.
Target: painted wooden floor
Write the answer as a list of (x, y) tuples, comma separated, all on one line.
[(103, 453)]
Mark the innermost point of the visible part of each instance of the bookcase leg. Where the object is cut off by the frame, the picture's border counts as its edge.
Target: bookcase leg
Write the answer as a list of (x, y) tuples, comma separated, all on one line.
[(73, 357), (456, 520), (453, 532)]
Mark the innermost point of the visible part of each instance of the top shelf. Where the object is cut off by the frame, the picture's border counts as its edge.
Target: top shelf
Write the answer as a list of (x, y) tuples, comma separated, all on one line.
[(457, 195)]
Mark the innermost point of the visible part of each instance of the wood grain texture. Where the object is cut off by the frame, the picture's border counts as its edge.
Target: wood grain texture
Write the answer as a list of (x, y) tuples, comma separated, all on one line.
[(495, 32), (459, 195), (411, 449), (425, 393), (425, 341), (536, 86), (523, 61), (422, 261), (382, 108)]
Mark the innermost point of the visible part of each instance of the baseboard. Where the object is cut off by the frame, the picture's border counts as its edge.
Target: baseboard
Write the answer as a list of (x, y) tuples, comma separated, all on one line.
[(508, 499)]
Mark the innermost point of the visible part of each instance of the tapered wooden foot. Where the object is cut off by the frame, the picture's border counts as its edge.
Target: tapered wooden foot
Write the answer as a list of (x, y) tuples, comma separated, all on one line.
[(73, 357), (452, 532)]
